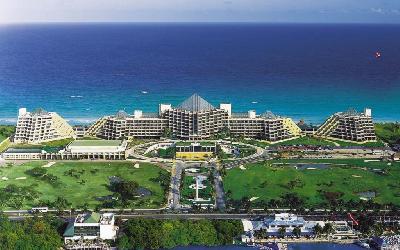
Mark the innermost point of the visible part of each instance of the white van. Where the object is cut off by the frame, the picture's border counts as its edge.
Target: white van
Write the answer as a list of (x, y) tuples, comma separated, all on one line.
[(39, 210)]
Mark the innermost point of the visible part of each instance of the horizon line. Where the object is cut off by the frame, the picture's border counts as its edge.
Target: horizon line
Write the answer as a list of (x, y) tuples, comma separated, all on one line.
[(194, 22)]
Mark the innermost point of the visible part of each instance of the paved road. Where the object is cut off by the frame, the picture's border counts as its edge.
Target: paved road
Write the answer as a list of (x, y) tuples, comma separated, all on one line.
[(213, 216), (176, 175), (219, 188), (261, 155)]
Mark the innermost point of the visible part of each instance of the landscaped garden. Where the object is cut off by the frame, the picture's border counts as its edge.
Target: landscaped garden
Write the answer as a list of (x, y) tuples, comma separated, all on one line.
[(6, 131), (50, 146), (314, 183), (83, 184), (388, 132), (188, 187), (306, 140)]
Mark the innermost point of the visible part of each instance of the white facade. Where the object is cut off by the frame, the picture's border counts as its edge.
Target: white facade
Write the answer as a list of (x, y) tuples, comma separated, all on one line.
[(41, 126), (227, 107), (22, 154), (90, 227)]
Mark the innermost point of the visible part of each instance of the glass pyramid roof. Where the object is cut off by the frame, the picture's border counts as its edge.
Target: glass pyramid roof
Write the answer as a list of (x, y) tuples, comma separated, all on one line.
[(195, 103)]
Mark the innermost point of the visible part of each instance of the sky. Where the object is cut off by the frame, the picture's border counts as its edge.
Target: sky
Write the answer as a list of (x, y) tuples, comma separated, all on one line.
[(293, 11)]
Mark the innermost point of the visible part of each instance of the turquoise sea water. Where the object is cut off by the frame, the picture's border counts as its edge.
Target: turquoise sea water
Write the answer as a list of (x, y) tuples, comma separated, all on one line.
[(84, 71)]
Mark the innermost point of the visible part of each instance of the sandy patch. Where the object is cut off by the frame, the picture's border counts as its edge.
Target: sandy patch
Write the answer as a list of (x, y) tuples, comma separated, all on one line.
[(356, 176), (4, 178), (254, 198), (136, 165), (49, 164), (21, 178)]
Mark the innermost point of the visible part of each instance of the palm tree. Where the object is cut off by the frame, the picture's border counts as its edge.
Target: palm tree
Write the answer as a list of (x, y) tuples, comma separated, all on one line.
[(297, 231), (282, 232), (328, 229), (317, 230)]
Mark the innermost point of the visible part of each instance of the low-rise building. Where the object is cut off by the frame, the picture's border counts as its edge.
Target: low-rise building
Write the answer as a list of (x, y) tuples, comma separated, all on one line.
[(23, 154), (194, 150), (284, 225), (90, 227), (76, 150), (288, 222), (91, 150)]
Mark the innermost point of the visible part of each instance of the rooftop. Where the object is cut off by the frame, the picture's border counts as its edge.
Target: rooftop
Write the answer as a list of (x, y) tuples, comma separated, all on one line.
[(96, 143), (88, 218), (195, 103), (24, 150), (39, 112)]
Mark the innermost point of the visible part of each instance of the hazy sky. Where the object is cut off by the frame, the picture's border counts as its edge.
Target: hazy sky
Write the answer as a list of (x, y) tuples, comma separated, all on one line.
[(375, 11)]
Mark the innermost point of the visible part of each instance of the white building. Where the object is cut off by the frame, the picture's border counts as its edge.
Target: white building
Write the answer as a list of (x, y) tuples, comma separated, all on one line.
[(23, 154), (41, 126), (91, 226), (289, 222), (273, 227), (350, 126), (90, 149), (194, 119)]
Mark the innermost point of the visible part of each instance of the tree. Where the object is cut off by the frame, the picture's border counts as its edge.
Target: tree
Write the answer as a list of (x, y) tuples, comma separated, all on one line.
[(167, 133), (317, 230), (61, 204), (297, 231), (328, 229), (126, 188), (281, 232), (36, 233), (36, 172), (378, 229)]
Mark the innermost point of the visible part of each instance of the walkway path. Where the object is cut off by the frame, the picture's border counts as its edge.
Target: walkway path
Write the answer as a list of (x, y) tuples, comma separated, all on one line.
[(176, 175), (219, 188)]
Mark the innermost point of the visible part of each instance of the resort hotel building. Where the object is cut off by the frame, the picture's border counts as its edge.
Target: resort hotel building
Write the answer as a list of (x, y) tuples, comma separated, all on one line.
[(350, 125), (284, 225), (195, 119), (41, 126)]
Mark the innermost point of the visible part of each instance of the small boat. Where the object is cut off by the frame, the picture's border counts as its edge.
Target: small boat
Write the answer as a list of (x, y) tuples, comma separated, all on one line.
[(362, 243), (254, 102), (378, 54), (144, 92)]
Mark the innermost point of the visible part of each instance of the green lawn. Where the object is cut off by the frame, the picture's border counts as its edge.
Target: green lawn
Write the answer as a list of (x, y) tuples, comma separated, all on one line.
[(306, 140), (378, 143), (51, 146), (388, 132), (91, 182), (270, 181), (6, 131), (338, 162)]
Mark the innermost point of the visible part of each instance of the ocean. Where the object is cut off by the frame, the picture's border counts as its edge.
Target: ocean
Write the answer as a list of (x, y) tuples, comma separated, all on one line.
[(304, 71)]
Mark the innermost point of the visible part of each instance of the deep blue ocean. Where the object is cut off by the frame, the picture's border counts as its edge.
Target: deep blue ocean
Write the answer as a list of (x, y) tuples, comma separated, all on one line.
[(84, 71)]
